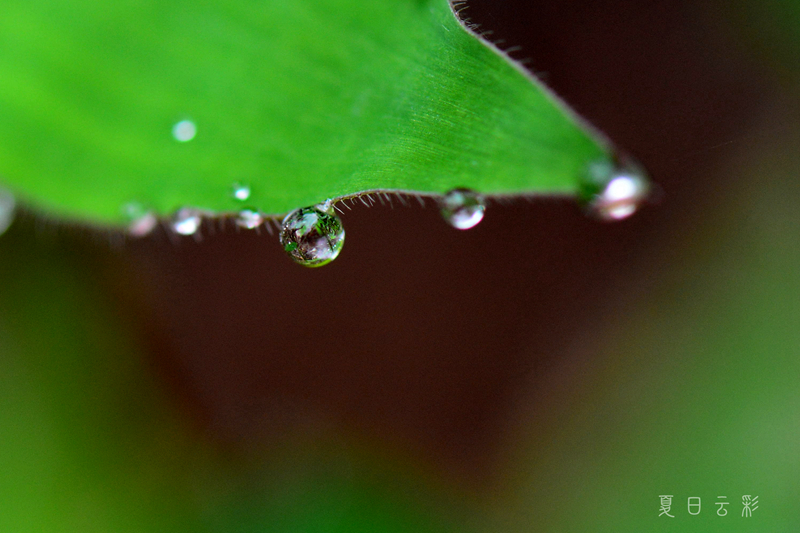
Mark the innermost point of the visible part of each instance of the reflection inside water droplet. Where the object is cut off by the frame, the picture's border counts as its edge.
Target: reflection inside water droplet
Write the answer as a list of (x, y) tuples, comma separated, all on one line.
[(462, 208), (311, 236), (8, 207), (186, 221), (614, 192), (249, 219), (184, 131), (241, 192)]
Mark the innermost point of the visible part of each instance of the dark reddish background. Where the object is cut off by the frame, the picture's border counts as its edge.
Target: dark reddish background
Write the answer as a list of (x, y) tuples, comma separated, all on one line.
[(421, 336)]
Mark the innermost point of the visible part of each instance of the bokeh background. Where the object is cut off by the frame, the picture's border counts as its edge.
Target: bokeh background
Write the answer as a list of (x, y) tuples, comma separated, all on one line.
[(542, 372)]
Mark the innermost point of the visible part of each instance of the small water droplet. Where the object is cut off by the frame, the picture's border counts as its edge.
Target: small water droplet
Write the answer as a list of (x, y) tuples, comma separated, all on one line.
[(8, 207), (186, 221), (311, 236), (614, 192), (143, 226), (462, 208), (249, 219), (141, 222), (184, 131), (241, 192)]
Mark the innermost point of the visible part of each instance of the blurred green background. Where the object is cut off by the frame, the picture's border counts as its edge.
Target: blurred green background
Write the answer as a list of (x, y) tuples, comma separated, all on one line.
[(539, 373)]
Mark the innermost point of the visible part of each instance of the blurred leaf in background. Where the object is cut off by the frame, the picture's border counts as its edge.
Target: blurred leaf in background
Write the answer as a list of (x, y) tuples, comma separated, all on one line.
[(88, 442), (690, 386), (92, 441), (771, 31)]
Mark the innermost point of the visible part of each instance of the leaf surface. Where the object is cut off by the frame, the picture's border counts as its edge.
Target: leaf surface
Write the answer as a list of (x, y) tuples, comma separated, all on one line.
[(303, 101)]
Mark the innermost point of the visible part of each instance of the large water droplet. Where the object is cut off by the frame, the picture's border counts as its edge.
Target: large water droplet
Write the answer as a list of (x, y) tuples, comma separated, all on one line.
[(462, 208), (8, 207), (326, 206), (187, 221), (249, 219), (141, 222), (241, 192), (184, 131), (614, 192), (311, 236)]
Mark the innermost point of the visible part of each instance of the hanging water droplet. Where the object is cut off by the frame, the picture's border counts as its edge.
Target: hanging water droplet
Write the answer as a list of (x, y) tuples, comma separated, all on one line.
[(141, 222), (241, 192), (143, 226), (311, 236), (8, 207), (326, 206), (184, 131), (614, 192), (186, 221), (249, 219), (462, 208)]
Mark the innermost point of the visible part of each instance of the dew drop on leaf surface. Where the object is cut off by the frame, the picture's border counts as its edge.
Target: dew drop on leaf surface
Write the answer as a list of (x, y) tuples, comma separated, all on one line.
[(186, 221), (240, 192), (614, 192), (311, 236), (249, 218), (184, 131), (141, 221), (462, 208)]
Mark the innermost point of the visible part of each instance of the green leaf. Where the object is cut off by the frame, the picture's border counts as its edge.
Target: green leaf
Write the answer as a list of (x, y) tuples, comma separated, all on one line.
[(303, 100)]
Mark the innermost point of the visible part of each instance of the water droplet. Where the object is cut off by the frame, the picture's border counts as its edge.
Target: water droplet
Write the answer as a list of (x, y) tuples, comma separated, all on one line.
[(249, 219), (326, 206), (311, 236), (462, 208), (141, 222), (143, 226), (184, 131), (8, 207), (614, 192), (241, 192), (186, 221)]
